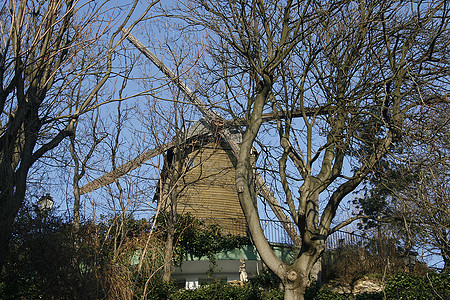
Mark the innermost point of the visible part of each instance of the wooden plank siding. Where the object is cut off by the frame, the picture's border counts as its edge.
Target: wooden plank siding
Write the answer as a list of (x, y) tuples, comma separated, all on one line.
[(207, 188)]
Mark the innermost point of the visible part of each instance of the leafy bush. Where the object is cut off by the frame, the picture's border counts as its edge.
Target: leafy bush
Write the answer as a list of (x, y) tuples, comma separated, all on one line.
[(218, 291), (265, 280), (324, 293), (43, 261), (315, 292), (158, 289), (47, 259), (196, 238), (411, 287), (399, 287), (376, 296)]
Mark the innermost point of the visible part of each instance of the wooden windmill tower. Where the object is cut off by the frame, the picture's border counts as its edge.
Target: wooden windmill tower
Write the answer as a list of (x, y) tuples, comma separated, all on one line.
[(211, 145), (205, 187)]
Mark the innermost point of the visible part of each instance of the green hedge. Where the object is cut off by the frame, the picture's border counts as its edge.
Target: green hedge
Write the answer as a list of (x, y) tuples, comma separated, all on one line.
[(398, 287), (412, 287), (217, 291), (214, 291)]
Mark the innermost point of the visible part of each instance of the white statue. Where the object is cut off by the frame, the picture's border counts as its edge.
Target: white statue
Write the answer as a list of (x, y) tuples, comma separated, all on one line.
[(243, 277)]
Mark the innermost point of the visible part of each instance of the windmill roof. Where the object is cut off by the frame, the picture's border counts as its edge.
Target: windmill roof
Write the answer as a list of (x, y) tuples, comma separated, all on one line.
[(201, 128)]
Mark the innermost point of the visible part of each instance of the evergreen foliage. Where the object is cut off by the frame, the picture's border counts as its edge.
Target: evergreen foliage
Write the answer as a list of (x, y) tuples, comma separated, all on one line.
[(195, 238)]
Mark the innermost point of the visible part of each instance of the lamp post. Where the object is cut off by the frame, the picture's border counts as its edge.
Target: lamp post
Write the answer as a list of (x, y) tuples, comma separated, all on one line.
[(410, 260), (45, 204)]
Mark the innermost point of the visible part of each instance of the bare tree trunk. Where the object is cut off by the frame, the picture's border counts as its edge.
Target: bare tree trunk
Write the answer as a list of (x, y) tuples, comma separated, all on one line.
[(296, 279), (446, 257), (75, 185), (36, 48), (297, 293), (168, 255), (176, 171), (10, 204)]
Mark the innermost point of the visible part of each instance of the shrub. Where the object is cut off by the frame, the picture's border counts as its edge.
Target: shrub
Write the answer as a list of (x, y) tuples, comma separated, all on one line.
[(350, 262), (158, 289), (315, 292), (411, 287), (398, 287), (266, 280), (43, 262), (219, 291), (48, 260)]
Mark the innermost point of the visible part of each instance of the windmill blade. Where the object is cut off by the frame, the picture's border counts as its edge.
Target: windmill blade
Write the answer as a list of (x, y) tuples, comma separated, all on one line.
[(207, 113), (215, 120), (296, 113), (124, 169)]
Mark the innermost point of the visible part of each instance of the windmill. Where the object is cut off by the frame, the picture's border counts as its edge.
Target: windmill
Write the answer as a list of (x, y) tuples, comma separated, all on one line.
[(205, 184), (223, 133)]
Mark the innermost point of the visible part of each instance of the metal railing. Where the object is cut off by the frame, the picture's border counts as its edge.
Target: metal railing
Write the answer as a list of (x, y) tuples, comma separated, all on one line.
[(343, 238), (275, 233)]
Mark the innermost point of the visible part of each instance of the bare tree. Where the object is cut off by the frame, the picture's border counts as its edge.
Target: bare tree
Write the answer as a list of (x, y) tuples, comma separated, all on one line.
[(166, 131), (40, 41), (429, 211), (411, 188), (351, 70), (90, 137), (166, 120), (429, 197)]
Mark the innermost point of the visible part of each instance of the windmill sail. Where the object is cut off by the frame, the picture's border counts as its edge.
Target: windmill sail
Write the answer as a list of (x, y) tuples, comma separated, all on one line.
[(214, 120), (124, 169)]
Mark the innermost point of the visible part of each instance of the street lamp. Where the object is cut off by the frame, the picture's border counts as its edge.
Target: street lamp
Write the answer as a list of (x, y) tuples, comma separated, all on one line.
[(410, 260), (45, 203)]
